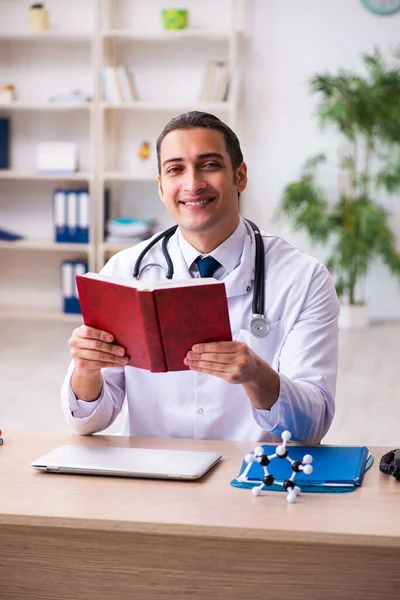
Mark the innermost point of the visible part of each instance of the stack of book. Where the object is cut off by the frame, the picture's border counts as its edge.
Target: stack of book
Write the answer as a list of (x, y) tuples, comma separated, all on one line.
[(128, 230), (118, 85), (216, 83)]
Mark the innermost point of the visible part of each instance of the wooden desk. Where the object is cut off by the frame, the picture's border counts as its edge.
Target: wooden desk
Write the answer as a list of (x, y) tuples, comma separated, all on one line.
[(70, 537)]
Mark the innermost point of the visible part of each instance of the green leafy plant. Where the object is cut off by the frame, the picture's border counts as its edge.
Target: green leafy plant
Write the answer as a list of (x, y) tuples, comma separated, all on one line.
[(365, 109)]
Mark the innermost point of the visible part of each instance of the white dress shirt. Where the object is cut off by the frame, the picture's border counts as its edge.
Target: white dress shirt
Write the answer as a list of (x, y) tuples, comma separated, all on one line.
[(302, 310)]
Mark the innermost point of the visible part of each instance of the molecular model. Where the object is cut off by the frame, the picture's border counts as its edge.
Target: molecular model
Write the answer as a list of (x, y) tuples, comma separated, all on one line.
[(264, 460)]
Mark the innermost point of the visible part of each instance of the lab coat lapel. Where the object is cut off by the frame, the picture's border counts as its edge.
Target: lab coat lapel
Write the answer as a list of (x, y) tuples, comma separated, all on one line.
[(240, 279)]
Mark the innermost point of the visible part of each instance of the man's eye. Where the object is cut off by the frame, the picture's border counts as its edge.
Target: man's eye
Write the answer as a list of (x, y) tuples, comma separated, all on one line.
[(211, 165), (173, 170)]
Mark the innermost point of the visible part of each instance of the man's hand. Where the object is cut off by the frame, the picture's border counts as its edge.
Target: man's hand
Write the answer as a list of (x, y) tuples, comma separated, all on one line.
[(235, 362), (232, 361), (93, 350)]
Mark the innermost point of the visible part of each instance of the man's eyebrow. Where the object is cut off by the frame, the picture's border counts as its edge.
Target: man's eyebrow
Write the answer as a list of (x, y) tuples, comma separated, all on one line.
[(199, 157)]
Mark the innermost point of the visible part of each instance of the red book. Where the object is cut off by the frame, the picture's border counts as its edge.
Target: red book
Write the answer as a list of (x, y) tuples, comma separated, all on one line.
[(156, 325)]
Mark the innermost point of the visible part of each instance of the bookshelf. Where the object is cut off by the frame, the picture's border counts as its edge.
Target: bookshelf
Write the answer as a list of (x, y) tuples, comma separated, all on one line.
[(169, 69)]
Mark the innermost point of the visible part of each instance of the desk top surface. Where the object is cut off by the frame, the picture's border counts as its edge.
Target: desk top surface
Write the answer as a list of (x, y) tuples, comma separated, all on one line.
[(207, 507)]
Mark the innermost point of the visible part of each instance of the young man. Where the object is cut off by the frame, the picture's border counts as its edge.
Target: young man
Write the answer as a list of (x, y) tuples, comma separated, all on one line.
[(251, 388)]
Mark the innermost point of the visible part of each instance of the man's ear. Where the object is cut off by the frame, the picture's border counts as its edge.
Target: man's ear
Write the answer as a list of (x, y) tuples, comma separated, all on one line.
[(241, 177)]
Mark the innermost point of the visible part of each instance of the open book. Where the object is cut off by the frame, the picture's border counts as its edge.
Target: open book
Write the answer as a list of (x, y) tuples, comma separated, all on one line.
[(156, 325)]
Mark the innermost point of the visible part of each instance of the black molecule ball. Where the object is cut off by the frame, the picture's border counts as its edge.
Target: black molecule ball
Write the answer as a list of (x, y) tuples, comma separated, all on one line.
[(264, 460), (268, 479), (296, 464), (288, 483)]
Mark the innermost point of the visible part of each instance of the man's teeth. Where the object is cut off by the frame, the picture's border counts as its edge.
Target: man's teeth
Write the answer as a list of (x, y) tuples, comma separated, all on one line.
[(198, 203)]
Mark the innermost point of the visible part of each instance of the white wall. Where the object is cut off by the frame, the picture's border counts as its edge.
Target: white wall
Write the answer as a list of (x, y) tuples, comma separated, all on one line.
[(287, 42)]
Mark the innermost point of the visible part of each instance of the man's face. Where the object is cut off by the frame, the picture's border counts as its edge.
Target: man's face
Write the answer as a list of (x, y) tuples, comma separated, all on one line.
[(197, 185)]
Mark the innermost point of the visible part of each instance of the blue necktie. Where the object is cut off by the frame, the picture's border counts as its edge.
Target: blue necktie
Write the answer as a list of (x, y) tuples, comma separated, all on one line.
[(207, 266)]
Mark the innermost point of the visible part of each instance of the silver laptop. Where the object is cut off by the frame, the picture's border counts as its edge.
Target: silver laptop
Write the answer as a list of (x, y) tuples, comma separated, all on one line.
[(127, 462)]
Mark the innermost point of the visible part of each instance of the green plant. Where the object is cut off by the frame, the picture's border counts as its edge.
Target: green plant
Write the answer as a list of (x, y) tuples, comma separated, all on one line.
[(365, 109)]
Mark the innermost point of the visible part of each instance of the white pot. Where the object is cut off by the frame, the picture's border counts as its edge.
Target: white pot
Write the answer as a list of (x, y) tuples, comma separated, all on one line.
[(353, 317)]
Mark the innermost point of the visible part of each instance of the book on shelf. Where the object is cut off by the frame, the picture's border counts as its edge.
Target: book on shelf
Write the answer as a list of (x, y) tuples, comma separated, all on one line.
[(4, 143), (216, 82), (118, 84), (157, 325)]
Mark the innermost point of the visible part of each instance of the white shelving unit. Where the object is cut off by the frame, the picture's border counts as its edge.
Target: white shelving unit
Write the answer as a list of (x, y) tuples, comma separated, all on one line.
[(168, 68)]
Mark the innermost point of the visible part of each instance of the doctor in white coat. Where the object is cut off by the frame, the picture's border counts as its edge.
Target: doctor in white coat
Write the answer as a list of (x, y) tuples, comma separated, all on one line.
[(249, 389)]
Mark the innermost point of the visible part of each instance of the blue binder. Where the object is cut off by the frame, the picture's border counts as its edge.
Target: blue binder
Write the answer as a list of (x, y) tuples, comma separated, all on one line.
[(335, 468), (71, 215), (69, 292), (4, 143)]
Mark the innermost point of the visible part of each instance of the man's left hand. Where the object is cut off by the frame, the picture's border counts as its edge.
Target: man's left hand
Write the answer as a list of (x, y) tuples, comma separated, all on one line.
[(235, 362)]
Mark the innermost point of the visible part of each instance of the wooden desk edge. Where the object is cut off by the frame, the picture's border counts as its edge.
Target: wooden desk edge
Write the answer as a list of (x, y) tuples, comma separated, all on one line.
[(236, 533)]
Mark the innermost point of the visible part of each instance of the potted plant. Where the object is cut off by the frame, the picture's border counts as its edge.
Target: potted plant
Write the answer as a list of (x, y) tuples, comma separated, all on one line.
[(354, 224)]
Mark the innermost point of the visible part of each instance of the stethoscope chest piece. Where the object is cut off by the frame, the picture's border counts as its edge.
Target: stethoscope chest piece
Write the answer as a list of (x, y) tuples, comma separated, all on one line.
[(259, 326)]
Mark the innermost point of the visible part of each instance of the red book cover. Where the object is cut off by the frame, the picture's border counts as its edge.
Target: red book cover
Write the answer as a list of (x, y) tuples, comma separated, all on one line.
[(115, 308), (191, 315), (157, 327)]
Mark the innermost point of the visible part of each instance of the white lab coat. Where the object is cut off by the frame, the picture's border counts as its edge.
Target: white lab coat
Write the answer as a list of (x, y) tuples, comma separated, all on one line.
[(302, 309)]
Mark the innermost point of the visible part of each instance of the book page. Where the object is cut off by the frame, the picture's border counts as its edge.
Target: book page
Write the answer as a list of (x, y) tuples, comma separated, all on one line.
[(137, 284)]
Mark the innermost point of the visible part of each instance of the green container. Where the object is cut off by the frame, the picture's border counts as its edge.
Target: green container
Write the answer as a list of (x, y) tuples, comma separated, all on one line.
[(175, 18)]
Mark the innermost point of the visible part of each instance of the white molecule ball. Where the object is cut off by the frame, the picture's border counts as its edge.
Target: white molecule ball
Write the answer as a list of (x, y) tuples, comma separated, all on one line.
[(307, 459), (255, 491), (249, 458), (286, 435), (280, 450), (297, 490), (307, 469), (259, 451), (291, 497)]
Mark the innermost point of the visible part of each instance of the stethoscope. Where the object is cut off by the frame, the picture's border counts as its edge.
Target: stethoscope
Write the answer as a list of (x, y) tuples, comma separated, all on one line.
[(258, 325)]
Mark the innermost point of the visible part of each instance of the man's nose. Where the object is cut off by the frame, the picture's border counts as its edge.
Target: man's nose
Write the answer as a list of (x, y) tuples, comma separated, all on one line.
[(194, 182)]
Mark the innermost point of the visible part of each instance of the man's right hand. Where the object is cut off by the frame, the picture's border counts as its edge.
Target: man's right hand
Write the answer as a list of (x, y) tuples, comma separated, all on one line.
[(93, 350)]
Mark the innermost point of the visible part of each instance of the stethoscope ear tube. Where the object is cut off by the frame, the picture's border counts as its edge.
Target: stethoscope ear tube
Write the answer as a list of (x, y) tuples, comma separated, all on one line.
[(143, 253), (170, 270)]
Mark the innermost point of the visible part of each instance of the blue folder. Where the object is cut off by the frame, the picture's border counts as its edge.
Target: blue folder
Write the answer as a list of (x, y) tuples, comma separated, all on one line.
[(335, 468)]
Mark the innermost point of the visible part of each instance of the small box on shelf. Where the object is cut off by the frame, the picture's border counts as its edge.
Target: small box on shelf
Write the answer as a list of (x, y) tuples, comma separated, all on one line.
[(7, 93), (69, 292), (71, 216), (57, 157)]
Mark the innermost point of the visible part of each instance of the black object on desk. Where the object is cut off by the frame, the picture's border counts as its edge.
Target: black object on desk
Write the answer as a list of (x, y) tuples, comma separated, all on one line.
[(390, 463)]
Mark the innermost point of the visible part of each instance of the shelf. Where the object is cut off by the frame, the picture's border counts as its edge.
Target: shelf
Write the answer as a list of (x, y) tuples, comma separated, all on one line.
[(126, 176), (32, 175), (48, 314), (43, 36), (162, 107), (46, 106), (172, 35), (32, 244)]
